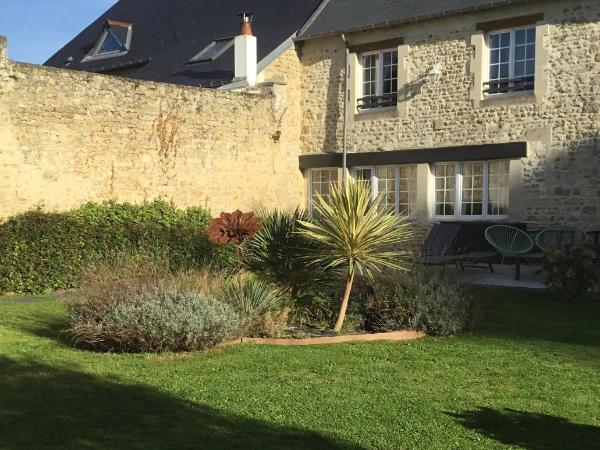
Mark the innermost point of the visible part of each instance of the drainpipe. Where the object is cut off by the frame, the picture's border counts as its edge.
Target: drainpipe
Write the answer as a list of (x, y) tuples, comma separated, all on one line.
[(346, 109)]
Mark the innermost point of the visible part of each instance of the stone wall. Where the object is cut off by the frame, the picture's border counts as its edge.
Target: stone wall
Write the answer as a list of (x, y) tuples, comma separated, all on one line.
[(69, 137), (558, 183)]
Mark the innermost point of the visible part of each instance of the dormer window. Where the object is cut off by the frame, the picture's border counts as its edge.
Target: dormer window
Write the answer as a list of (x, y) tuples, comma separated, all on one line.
[(212, 51), (115, 40)]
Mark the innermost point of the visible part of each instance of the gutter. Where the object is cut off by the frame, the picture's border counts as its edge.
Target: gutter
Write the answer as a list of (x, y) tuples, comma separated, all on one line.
[(391, 23)]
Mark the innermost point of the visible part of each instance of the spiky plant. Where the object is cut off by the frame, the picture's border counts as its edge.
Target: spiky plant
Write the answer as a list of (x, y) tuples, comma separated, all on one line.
[(278, 252), (356, 234)]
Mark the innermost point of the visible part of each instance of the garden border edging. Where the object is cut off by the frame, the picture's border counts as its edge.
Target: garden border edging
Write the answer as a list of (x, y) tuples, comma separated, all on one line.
[(397, 336)]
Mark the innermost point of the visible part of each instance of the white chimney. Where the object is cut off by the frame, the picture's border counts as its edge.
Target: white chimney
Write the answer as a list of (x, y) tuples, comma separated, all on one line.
[(246, 51)]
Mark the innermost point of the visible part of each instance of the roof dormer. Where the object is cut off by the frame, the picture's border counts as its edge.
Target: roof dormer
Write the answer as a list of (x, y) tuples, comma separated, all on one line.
[(114, 40)]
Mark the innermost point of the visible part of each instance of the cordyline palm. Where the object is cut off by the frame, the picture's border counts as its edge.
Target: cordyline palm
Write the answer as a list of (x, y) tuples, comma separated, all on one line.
[(357, 234)]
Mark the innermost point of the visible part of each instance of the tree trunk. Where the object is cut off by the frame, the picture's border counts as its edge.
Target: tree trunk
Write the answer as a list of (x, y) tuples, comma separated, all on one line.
[(344, 306)]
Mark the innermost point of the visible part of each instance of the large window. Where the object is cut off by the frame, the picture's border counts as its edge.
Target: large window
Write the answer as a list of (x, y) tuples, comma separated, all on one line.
[(379, 79), (512, 61), (396, 184), (471, 189)]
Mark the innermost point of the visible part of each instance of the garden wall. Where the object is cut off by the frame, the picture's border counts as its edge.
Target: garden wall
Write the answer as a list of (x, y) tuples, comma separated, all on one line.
[(69, 137)]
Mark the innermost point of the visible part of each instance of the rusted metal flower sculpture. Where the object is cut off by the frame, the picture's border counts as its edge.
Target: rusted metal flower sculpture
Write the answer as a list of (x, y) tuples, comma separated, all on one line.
[(234, 228)]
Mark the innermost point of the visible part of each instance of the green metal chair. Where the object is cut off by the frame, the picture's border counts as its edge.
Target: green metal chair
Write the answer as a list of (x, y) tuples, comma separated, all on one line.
[(510, 242), (560, 238)]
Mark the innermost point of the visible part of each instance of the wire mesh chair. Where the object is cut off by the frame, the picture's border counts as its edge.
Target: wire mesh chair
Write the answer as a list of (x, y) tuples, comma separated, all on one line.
[(560, 238), (510, 242)]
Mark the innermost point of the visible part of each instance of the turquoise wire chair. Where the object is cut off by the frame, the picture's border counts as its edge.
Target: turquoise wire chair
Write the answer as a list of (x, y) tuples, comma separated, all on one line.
[(510, 242), (560, 238)]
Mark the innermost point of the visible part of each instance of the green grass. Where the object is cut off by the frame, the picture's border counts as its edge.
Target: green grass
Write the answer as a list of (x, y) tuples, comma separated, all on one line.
[(527, 376)]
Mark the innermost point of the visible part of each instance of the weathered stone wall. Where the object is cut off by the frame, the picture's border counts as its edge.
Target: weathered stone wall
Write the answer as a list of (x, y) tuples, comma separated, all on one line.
[(558, 183), (69, 137)]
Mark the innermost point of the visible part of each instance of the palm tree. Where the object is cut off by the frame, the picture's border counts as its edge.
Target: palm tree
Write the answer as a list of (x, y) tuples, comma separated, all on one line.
[(357, 234)]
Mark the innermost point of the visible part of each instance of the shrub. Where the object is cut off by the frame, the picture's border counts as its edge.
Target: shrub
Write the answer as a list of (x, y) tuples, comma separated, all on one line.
[(423, 299), (571, 271), (136, 304), (279, 253), (261, 304), (42, 251), (168, 321)]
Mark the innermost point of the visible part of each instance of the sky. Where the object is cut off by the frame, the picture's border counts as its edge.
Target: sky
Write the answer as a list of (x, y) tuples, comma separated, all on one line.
[(36, 29)]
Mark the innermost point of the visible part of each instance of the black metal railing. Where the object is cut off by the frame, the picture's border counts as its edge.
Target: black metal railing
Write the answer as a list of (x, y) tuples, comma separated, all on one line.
[(506, 85), (378, 101)]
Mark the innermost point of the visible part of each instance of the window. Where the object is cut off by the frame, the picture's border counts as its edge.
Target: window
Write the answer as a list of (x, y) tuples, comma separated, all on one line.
[(320, 182), (408, 190), (512, 61), (212, 51), (386, 186), (498, 176), (397, 185), (379, 79), (445, 189), (471, 189), (115, 40)]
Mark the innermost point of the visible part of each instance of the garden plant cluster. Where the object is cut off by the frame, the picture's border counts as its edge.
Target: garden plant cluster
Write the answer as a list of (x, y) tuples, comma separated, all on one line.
[(147, 278)]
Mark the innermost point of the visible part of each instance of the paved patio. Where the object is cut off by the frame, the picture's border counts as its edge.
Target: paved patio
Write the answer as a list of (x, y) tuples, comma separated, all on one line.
[(504, 275)]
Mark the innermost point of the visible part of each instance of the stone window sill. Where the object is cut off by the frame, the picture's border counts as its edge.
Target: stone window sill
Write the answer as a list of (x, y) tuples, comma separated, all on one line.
[(377, 113), (509, 99)]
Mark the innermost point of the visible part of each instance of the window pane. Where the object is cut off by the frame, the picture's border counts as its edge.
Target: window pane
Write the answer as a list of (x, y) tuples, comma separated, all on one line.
[(390, 74), (498, 190), (321, 181), (408, 190), (472, 190), (386, 183), (445, 182)]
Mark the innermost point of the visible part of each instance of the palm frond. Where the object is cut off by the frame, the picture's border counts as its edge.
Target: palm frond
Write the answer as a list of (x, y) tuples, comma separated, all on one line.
[(355, 232)]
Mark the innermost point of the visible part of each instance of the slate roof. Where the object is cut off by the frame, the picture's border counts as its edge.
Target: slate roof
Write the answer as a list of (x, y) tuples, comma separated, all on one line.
[(168, 33), (346, 15)]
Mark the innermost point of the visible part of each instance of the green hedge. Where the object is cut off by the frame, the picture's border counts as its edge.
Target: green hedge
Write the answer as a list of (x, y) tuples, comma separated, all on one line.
[(41, 251)]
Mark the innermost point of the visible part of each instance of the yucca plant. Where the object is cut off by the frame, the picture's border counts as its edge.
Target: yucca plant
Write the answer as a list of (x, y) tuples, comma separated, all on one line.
[(356, 234)]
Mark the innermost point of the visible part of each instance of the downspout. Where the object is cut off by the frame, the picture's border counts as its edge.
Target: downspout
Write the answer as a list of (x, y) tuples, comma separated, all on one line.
[(346, 109)]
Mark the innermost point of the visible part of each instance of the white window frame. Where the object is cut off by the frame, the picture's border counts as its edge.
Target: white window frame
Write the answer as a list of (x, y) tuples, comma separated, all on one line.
[(511, 57), (458, 195), (378, 74), (375, 183), (310, 184), (93, 55)]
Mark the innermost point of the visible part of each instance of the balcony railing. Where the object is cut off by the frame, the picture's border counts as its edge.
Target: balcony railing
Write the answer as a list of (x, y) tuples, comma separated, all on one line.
[(506, 85), (378, 101)]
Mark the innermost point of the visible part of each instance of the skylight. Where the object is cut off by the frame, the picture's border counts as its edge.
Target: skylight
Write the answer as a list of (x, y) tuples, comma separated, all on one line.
[(114, 40), (212, 51)]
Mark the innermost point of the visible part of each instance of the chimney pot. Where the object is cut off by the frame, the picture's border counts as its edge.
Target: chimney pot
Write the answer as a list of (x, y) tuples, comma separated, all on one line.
[(246, 24)]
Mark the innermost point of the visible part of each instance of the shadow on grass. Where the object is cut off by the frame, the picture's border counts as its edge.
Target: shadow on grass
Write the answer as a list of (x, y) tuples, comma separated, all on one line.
[(530, 430), (47, 407), (523, 314)]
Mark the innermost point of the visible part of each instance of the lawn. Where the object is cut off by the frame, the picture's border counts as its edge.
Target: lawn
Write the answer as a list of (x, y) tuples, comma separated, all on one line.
[(528, 375)]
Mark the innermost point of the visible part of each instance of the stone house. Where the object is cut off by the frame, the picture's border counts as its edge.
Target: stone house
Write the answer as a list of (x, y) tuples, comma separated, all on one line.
[(455, 111), (489, 111)]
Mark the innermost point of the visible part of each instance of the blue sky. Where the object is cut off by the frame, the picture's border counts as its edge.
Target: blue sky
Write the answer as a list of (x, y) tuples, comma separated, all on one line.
[(36, 29)]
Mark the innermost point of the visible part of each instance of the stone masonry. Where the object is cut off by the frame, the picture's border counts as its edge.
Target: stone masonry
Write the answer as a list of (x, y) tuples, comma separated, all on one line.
[(69, 137)]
